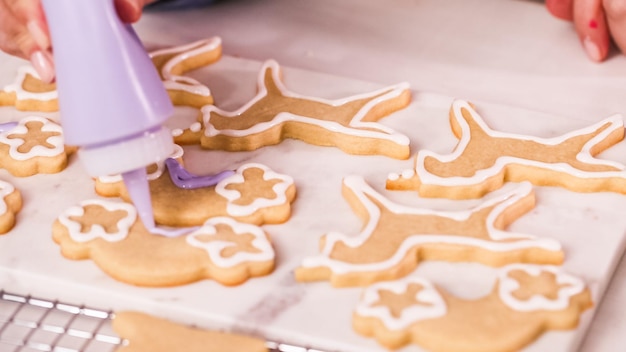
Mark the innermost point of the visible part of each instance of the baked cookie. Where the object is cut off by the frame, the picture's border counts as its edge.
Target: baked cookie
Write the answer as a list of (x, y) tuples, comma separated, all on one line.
[(253, 194), (29, 93), (111, 234), (10, 205), (173, 62), (484, 159), (395, 238), (147, 333), (275, 114), (34, 146), (525, 302)]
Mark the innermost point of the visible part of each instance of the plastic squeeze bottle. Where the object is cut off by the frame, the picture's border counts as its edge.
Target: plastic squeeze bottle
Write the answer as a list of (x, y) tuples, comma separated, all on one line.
[(112, 101)]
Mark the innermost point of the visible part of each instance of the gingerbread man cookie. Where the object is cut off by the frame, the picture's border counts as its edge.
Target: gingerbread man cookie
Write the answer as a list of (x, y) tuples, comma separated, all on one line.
[(484, 159), (34, 146), (29, 93), (111, 234), (10, 205), (147, 333), (252, 194), (173, 62), (275, 114), (526, 301), (395, 238)]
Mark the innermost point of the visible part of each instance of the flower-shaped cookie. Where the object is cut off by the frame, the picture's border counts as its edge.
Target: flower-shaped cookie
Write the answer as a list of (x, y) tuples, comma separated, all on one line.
[(35, 145), (10, 205), (29, 93)]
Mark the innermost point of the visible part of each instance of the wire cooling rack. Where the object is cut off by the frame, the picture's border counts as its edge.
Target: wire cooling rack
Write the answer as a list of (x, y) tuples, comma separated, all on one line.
[(29, 324)]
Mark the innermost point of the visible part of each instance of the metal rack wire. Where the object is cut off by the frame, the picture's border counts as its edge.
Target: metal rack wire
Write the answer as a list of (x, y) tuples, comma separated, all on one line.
[(29, 324)]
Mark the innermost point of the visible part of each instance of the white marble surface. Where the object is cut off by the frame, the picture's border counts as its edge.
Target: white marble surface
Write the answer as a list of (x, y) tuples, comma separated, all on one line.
[(275, 306), (508, 53)]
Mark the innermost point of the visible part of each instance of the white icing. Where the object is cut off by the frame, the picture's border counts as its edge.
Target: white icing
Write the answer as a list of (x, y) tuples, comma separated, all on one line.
[(195, 127), (508, 285), (237, 210), (362, 190), (184, 52), (426, 177), (97, 231), (5, 189), (18, 86), (434, 305), (176, 154), (177, 132), (357, 127), (214, 248), (408, 173), (37, 150)]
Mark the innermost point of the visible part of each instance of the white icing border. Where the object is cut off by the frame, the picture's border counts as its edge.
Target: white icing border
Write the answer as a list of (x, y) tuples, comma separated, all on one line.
[(356, 122), (182, 53), (37, 150), (615, 121), (507, 285), (361, 189), (5, 189), (237, 210), (97, 231), (214, 248), (21, 94), (410, 315)]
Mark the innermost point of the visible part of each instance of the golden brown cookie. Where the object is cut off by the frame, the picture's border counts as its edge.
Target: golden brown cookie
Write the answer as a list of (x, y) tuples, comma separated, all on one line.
[(34, 146), (145, 333), (526, 301), (10, 205), (253, 194), (111, 234), (276, 114), (29, 93), (396, 238), (484, 159), (172, 63)]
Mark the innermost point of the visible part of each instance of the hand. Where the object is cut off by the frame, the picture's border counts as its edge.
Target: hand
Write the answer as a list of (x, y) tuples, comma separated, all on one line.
[(24, 31), (596, 22)]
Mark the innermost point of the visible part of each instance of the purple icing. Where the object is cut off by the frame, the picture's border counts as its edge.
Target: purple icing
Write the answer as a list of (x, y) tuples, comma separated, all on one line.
[(7, 126), (186, 180)]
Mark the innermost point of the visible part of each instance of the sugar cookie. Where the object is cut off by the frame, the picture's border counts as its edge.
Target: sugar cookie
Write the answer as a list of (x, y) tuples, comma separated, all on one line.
[(484, 159), (525, 302), (29, 93), (10, 205), (395, 238), (275, 114)]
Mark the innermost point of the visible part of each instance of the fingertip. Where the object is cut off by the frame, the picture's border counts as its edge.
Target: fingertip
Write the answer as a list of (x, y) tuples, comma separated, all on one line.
[(128, 10), (562, 9), (44, 65)]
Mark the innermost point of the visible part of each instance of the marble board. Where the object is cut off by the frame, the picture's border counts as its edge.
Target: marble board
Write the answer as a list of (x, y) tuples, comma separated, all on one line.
[(591, 227)]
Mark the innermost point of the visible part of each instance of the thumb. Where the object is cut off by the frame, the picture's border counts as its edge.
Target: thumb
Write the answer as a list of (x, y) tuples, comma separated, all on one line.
[(130, 10)]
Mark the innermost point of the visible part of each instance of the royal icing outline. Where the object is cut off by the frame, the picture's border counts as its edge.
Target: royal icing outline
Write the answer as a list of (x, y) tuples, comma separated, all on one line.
[(362, 191), (356, 127), (97, 231), (615, 123), (176, 154), (38, 150), (280, 189), (182, 53), (5, 190), (17, 86), (214, 248), (428, 294), (508, 285)]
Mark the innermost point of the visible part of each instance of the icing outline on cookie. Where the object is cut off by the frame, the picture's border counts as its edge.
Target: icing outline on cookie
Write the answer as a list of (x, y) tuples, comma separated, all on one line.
[(601, 131), (428, 294), (214, 248), (363, 191), (38, 150), (280, 189), (21, 94), (97, 231), (356, 127), (508, 285)]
